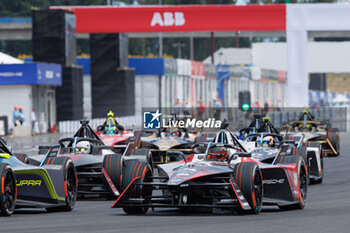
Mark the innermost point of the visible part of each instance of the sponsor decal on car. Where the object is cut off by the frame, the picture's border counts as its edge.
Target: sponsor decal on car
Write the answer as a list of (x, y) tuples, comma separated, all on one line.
[(274, 181), (29, 183)]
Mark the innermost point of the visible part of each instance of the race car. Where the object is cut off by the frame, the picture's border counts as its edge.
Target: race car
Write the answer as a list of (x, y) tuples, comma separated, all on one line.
[(306, 131), (114, 136), (266, 143), (224, 177), (87, 151), (111, 132), (165, 142), (51, 185), (205, 137), (252, 128)]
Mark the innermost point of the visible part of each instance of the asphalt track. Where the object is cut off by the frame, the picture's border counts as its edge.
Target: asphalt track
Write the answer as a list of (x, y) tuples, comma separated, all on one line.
[(327, 209)]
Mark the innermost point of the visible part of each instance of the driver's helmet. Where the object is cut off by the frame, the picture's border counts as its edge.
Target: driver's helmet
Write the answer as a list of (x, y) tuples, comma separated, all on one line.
[(175, 133), (110, 114), (268, 140), (83, 147), (304, 125), (217, 154)]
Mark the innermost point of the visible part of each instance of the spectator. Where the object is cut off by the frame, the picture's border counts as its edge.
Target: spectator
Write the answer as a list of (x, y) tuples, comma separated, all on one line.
[(200, 109), (177, 107), (20, 117), (187, 107), (218, 108), (33, 118), (256, 106), (266, 108), (14, 114)]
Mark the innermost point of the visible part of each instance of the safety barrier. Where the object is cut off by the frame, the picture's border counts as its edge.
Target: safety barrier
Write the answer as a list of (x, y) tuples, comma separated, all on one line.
[(129, 122), (336, 116)]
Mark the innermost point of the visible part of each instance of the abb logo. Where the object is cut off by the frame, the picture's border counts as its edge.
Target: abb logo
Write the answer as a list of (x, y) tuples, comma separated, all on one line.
[(168, 19)]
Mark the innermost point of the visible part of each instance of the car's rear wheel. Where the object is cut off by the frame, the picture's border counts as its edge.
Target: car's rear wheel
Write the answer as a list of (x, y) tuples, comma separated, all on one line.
[(249, 179), (8, 190), (70, 184)]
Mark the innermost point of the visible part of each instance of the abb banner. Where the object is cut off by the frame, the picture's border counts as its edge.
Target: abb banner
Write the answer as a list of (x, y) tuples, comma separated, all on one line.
[(179, 18)]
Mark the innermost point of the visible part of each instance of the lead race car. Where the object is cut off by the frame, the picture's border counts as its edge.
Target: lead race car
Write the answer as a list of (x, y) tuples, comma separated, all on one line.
[(51, 185), (224, 177)]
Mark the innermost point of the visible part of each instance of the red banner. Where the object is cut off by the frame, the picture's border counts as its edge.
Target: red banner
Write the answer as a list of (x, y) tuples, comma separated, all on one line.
[(281, 76), (179, 18), (198, 68)]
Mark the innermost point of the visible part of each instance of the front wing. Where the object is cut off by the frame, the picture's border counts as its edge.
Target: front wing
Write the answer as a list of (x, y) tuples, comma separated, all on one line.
[(179, 196)]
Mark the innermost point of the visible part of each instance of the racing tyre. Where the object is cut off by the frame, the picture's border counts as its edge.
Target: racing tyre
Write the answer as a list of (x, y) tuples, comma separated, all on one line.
[(133, 170), (302, 181), (113, 167), (23, 158), (333, 137), (70, 183), (8, 190), (249, 179)]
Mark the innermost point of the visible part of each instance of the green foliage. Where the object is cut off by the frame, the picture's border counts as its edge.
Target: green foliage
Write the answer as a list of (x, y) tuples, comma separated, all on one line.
[(20, 8), (16, 47)]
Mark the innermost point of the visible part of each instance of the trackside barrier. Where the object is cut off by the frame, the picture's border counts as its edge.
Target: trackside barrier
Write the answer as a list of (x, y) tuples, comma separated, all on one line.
[(129, 122), (336, 116)]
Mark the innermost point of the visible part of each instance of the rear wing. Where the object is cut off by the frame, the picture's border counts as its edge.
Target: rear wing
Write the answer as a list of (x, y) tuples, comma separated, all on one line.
[(52, 152)]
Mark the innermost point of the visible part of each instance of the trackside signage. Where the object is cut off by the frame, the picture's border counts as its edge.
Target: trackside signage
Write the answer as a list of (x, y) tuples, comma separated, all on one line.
[(32, 74), (178, 18), (168, 19)]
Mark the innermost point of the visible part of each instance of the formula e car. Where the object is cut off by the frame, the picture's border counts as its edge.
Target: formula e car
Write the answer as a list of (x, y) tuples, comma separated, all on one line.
[(52, 185), (113, 134), (224, 177), (166, 141), (253, 127), (306, 131), (87, 151), (266, 143)]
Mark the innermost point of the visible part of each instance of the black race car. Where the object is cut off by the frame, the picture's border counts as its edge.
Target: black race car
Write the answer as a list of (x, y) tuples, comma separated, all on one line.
[(266, 142), (314, 134), (224, 177), (87, 152)]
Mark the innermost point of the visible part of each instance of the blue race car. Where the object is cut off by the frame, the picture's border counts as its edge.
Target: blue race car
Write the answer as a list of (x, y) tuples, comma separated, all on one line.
[(51, 185)]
